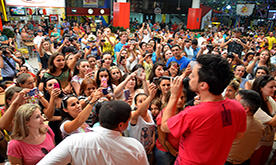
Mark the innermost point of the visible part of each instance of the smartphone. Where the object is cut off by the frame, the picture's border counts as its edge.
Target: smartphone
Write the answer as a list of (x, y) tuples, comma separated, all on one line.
[(33, 96), (127, 94), (33, 92), (105, 91), (104, 83), (156, 81), (139, 72), (56, 85)]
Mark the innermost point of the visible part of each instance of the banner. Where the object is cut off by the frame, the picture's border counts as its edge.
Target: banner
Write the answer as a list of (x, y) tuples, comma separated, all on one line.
[(90, 3), (245, 9), (36, 3), (163, 18), (206, 20)]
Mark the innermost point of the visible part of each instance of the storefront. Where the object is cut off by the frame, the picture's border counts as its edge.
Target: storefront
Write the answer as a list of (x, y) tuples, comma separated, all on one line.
[(35, 10), (85, 10)]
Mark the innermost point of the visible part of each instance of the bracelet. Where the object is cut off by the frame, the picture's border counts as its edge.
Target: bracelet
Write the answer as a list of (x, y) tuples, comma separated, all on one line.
[(86, 100), (91, 103)]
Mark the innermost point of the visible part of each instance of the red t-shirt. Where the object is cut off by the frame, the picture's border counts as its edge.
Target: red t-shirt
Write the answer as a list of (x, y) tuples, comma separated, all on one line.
[(170, 138), (206, 131)]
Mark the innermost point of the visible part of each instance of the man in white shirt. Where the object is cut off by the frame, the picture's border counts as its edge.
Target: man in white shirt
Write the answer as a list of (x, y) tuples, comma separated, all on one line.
[(38, 39), (104, 145)]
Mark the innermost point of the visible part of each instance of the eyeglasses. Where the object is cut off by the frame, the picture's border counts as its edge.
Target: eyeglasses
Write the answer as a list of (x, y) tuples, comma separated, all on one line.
[(67, 97)]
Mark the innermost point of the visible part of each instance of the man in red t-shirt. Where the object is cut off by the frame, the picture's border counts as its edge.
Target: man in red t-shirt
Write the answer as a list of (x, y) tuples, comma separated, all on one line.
[(207, 130)]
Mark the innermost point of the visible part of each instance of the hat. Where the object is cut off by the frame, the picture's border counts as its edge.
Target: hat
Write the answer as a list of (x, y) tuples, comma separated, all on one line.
[(92, 39)]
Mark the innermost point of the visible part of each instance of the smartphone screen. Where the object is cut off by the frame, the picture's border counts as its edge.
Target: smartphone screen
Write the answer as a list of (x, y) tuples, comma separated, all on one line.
[(33, 96), (105, 91), (56, 85), (127, 94)]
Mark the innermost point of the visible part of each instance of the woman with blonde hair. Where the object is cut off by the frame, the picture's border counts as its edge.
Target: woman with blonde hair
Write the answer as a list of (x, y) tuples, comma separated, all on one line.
[(31, 138)]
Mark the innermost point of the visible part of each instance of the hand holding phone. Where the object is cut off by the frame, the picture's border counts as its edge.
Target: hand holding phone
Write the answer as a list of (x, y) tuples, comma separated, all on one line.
[(56, 85), (126, 94), (33, 92), (105, 91)]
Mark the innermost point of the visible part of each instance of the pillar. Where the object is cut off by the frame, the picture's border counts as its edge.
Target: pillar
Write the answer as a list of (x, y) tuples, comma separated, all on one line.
[(194, 15), (121, 14)]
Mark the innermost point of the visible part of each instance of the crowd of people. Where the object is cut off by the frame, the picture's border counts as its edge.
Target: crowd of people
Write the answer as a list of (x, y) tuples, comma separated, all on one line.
[(156, 94)]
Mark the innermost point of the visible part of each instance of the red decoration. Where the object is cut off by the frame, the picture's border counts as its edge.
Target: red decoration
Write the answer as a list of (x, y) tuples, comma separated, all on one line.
[(44, 12)]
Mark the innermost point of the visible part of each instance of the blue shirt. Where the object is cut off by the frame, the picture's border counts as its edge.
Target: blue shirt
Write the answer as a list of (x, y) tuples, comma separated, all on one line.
[(153, 58), (195, 53), (118, 47), (183, 62)]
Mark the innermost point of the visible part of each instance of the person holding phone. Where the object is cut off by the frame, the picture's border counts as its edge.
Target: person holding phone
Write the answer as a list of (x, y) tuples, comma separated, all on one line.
[(142, 126), (82, 70), (26, 80), (134, 54), (123, 41), (108, 41), (87, 88), (53, 94), (74, 116), (262, 60), (130, 83), (106, 60), (103, 80)]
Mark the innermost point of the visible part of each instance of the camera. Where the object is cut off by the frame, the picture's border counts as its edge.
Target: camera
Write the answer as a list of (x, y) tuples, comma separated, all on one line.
[(71, 39), (210, 47), (230, 55)]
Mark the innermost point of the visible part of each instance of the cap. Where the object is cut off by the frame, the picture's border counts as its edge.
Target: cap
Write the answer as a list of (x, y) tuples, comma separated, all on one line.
[(92, 39)]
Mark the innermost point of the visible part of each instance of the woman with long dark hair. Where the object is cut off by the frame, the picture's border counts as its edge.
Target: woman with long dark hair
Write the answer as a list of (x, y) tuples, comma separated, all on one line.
[(58, 70), (157, 71), (74, 116), (265, 86)]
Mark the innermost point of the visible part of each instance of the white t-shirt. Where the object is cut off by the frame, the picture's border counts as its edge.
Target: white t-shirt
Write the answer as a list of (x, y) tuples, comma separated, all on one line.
[(100, 147), (146, 38), (143, 131), (37, 40)]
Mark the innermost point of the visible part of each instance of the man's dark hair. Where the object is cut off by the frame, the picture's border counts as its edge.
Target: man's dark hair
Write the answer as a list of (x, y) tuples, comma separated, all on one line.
[(237, 66), (251, 99), (194, 42), (176, 46), (114, 112), (215, 71)]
